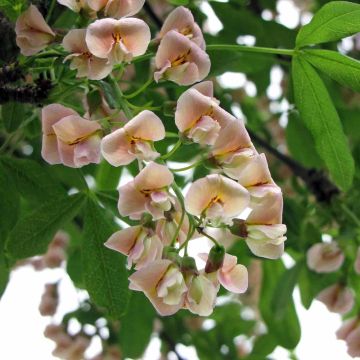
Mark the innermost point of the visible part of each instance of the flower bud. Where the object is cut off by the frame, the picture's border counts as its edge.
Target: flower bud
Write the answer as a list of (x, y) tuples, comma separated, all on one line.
[(188, 265), (216, 259)]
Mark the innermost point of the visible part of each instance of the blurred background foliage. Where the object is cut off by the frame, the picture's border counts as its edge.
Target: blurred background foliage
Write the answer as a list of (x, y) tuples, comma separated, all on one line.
[(250, 326)]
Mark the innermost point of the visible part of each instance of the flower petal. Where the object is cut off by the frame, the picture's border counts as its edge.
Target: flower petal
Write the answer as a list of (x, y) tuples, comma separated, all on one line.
[(153, 176), (123, 240)]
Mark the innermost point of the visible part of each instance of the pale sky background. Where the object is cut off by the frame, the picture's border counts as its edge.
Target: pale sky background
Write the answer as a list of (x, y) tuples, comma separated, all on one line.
[(21, 325)]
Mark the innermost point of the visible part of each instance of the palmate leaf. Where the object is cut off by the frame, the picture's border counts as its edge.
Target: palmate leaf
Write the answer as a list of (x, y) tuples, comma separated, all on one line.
[(320, 117), (334, 21), (104, 270), (33, 233), (341, 68)]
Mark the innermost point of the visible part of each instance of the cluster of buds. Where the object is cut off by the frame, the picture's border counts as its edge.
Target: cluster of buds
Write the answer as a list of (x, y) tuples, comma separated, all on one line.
[(67, 347), (55, 255), (240, 182), (49, 300)]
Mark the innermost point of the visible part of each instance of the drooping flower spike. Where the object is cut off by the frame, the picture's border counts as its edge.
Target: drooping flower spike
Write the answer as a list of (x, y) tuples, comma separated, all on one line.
[(182, 20), (134, 140), (68, 138), (86, 64), (118, 40), (33, 34), (180, 60), (148, 192)]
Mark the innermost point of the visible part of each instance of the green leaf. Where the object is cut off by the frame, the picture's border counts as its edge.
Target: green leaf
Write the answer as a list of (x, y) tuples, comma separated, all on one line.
[(341, 68), (334, 21), (320, 117), (108, 92), (107, 176), (138, 320), (179, 2), (297, 135), (33, 233), (4, 270), (12, 8), (32, 180), (12, 114), (9, 203), (105, 275), (286, 329)]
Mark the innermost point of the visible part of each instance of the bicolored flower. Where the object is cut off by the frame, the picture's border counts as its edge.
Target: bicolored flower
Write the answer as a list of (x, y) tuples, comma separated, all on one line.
[(337, 298), (148, 192), (32, 32), (201, 296), (325, 257), (216, 198), (266, 240), (231, 275), (68, 138), (198, 115), (181, 20), (139, 244), (350, 333), (86, 64), (266, 202), (118, 40), (180, 60), (134, 140), (116, 8), (163, 284)]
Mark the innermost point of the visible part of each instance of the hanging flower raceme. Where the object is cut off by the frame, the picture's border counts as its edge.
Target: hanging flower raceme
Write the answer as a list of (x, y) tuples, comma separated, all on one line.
[(337, 298), (141, 245), (325, 257), (134, 140), (116, 8), (216, 198), (33, 34), (118, 40), (180, 60), (198, 115), (350, 333), (68, 138), (182, 20), (86, 64), (148, 192)]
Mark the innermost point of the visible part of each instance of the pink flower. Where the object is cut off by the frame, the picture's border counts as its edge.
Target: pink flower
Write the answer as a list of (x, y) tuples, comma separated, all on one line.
[(266, 202), (117, 8), (74, 5), (201, 296), (325, 257), (231, 275), (357, 262), (148, 192), (141, 245), (350, 332), (81, 59), (182, 20), (337, 298), (32, 32), (180, 60), (166, 228), (134, 140), (163, 284), (118, 40), (68, 138), (266, 240), (217, 198), (198, 115)]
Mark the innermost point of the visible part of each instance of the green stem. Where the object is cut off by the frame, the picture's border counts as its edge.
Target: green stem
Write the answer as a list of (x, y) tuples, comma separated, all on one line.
[(172, 151), (120, 97), (169, 134), (252, 49), (209, 237), (51, 9), (183, 212), (188, 167), (355, 219), (140, 90)]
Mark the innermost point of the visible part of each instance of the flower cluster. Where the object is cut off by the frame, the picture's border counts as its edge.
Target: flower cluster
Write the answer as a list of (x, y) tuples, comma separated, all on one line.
[(238, 198)]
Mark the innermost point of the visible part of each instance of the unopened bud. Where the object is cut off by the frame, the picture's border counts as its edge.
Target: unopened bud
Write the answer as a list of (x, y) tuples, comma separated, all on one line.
[(188, 264), (171, 253), (215, 259)]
